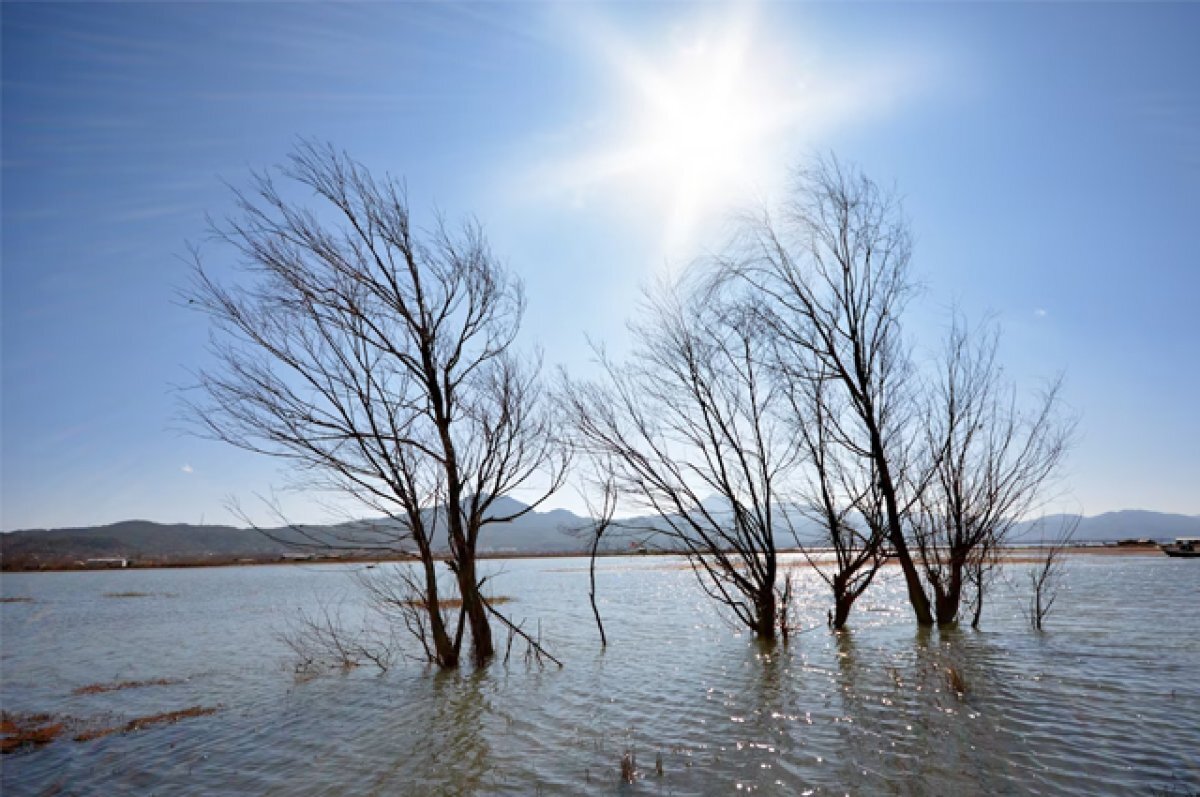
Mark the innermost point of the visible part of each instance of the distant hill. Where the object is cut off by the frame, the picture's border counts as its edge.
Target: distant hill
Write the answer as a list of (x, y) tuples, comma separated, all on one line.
[(134, 539), (1112, 526), (147, 543), (144, 542)]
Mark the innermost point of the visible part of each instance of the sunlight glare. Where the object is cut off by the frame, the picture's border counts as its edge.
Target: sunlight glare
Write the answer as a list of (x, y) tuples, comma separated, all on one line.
[(706, 116), (700, 119), (699, 124)]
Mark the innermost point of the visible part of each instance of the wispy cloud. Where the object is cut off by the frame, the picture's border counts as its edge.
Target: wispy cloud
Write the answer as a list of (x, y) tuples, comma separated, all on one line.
[(1040, 312), (188, 469)]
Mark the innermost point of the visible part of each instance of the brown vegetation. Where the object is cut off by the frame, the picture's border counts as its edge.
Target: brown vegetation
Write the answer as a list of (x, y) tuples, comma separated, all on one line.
[(32, 730), (19, 731), (629, 772), (17, 599), (95, 689), (955, 681), (139, 723)]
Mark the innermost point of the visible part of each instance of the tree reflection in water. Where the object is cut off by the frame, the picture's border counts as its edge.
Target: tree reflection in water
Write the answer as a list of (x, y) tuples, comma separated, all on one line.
[(449, 753), (907, 715)]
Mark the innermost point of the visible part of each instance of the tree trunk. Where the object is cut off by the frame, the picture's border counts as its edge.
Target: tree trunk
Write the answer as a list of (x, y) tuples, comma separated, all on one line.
[(462, 548), (946, 605), (917, 597), (445, 651), (841, 609), (592, 588), (912, 579), (843, 600), (482, 646), (461, 536), (978, 604), (948, 598), (443, 646), (767, 617)]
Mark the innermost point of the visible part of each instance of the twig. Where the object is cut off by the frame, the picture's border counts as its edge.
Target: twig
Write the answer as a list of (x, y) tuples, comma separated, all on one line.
[(514, 629)]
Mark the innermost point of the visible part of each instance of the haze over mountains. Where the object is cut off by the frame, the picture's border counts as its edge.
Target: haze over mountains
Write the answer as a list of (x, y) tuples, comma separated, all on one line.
[(536, 532)]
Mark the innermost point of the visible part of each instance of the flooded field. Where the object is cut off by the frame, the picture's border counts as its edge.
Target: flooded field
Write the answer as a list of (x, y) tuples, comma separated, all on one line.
[(185, 670)]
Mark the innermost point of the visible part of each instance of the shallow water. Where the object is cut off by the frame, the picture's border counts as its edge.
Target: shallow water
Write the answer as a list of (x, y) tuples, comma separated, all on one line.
[(1105, 701)]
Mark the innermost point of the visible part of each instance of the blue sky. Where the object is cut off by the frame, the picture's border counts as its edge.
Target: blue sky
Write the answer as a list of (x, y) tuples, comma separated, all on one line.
[(1049, 156)]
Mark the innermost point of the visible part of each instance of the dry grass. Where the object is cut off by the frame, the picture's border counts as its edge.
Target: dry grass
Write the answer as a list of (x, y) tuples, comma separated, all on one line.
[(139, 723), (17, 599), (134, 594), (28, 730), (96, 689), (18, 731)]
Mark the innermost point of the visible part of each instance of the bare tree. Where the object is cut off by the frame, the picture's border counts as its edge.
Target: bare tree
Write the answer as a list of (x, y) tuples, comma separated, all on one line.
[(839, 495), (601, 521), (325, 638), (398, 596), (1045, 577), (690, 429), (377, 358), (981, 570), (996, 459), (832, 274)]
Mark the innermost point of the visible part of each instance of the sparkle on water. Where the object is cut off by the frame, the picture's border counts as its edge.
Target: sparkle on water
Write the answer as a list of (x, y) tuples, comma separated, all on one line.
[(1104, 701)]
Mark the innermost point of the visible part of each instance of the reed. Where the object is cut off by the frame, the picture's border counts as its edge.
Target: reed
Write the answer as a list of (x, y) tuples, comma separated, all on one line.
[(28, 730), (138, 723), (96, 689), (629, 766)]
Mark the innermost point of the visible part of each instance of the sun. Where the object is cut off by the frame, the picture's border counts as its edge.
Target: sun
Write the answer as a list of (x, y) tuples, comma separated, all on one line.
[(700, 123), (698, 114), (694, 122), (699, 120)]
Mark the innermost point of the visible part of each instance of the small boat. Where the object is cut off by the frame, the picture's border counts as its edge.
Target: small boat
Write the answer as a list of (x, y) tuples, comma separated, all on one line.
[(1183, 546)]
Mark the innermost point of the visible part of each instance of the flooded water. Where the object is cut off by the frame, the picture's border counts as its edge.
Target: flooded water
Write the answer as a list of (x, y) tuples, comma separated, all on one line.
[(1105, 701)]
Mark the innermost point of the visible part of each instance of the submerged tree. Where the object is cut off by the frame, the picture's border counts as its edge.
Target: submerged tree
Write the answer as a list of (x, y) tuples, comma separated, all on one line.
[(832, 274), (1046, 574), (690, 431), (377, 358), (602, 518), (839, 495), (996, 458)]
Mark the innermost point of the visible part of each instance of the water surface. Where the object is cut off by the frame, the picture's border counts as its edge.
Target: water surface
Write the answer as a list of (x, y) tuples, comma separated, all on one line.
[(1105, 701)]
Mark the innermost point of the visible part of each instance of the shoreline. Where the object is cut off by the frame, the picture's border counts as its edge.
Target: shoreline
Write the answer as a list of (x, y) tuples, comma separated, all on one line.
[(1017, 554)]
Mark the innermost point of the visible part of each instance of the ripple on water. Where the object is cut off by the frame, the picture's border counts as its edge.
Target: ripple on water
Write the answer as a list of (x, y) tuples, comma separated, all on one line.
[(1103, 702)]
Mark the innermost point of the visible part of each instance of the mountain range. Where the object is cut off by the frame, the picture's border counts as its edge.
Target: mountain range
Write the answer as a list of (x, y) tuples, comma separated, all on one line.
[(147, 543)]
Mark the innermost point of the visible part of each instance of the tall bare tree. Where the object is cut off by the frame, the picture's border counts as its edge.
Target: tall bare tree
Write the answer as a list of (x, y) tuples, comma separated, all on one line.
[(832, 273), (838, 494), (996, 458), (601, 520), (690, 430), (377, 358)]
